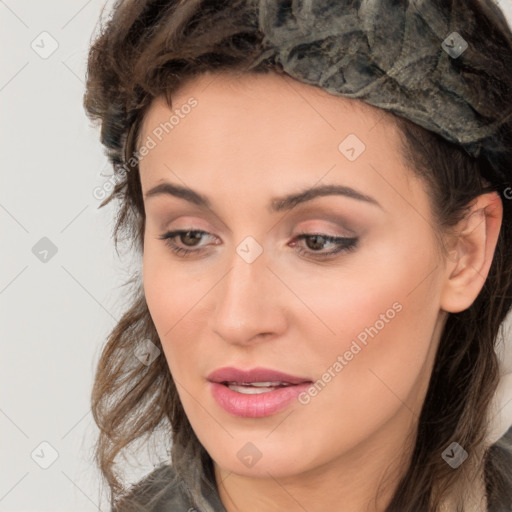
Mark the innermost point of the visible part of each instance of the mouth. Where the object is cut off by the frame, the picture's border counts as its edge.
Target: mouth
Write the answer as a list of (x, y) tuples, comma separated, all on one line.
[(255, 393)]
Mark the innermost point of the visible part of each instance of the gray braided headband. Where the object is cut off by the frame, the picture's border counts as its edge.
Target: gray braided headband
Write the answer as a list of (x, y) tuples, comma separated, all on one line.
[(413, 58)]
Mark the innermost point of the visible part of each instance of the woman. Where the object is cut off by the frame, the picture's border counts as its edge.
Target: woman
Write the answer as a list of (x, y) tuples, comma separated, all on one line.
[(319, 192)]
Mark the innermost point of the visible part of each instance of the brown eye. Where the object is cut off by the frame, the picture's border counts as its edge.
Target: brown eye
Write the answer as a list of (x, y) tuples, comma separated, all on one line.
[(318, 240), (190, 236), (187, 238)]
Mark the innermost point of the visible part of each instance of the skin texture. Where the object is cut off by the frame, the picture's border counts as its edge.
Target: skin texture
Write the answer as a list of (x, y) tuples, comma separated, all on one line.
[(252, 138)]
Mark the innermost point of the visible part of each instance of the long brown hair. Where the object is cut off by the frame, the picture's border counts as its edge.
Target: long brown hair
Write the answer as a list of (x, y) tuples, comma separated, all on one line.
[(149, 48)]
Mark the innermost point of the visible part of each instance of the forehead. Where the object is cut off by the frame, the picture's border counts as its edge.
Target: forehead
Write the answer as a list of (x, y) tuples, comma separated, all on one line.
[(245, 98), (261, 113), (262, 131)]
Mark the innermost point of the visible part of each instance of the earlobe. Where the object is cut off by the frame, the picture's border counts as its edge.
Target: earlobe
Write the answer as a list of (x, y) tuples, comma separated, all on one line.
[(472, 253)]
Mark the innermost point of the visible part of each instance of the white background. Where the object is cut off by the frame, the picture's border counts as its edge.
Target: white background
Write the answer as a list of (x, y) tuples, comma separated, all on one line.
[(55, 314)]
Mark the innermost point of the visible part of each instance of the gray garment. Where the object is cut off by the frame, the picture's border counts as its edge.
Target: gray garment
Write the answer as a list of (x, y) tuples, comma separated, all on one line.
[(162, 491)]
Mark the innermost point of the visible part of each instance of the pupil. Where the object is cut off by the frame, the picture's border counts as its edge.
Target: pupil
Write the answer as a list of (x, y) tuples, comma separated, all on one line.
[(196, 237), (316, 244)]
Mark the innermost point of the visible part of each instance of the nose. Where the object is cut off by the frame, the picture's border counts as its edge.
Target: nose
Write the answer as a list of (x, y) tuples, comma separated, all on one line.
[(249, 303)]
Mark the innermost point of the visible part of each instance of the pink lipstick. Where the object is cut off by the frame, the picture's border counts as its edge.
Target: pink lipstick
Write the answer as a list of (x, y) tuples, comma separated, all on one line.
[(255, 393)]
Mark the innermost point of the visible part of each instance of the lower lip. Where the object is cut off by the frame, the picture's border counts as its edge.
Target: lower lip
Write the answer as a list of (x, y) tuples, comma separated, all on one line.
[(256, 406)]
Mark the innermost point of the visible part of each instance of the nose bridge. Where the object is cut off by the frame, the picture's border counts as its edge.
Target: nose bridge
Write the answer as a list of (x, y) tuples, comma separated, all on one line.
[(244, 306)]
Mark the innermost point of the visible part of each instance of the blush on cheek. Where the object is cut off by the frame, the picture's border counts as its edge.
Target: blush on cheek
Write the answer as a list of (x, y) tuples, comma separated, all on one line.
[(388, 330)]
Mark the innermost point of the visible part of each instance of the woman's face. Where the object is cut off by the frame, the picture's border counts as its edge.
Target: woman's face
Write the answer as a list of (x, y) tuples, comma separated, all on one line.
[(354, 318)]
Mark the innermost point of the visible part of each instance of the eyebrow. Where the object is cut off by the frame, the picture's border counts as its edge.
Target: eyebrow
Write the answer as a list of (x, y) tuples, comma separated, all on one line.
[(277, 204)]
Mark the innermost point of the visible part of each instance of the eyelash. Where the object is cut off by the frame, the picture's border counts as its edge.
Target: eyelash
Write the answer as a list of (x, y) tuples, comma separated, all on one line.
[(345, 244)]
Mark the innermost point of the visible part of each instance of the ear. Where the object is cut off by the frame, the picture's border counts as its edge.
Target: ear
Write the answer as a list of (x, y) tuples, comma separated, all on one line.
[(471, 253)]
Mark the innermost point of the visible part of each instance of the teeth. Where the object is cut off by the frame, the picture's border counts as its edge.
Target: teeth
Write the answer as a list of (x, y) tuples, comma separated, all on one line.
[(250, 390), (262, 384), (255, 388)]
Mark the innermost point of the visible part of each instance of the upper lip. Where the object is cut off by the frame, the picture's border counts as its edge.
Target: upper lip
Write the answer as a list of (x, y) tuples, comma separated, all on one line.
[(230, 374)]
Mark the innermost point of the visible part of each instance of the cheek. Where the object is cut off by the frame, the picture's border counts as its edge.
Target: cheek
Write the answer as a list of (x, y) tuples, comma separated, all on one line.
[(165, 280), (174, 297), (381, 314)]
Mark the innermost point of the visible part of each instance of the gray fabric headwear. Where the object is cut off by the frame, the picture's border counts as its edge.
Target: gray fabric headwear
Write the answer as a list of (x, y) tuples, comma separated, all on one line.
[(414, 58)]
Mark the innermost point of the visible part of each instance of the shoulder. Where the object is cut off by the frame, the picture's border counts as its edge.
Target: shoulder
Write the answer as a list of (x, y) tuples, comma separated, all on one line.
[(157, 492)]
